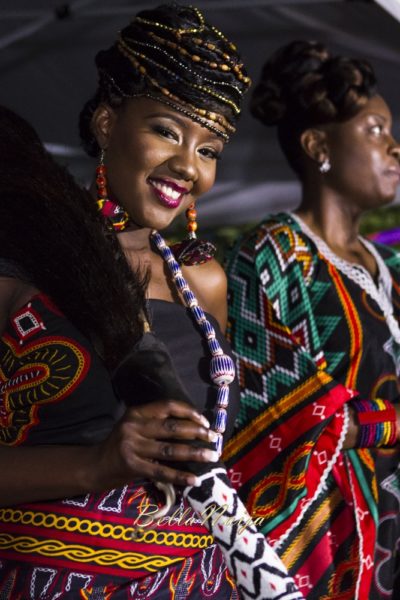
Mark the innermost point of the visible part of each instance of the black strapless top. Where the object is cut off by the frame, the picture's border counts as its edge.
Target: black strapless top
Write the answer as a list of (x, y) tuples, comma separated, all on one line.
[(80, 406), (174, 325)]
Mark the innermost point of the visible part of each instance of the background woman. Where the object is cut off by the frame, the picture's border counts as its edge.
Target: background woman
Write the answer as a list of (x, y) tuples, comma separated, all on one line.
[(169, 94), (314, 312)]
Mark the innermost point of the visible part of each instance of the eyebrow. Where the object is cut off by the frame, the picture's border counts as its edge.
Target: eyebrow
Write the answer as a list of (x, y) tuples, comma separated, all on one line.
[(378, 116), (179, 121), (168, 115)]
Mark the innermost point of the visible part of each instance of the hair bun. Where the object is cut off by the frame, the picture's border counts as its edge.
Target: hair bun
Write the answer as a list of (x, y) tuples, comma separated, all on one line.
[(302, 81), (283, 77)]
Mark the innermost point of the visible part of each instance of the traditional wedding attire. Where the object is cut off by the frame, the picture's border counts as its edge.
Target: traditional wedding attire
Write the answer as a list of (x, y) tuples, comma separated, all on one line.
[(56, 390), (311, 332)]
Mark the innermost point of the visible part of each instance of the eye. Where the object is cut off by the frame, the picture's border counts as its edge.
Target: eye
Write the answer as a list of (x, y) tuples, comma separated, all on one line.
[(376, 129), (165, 132), (210, 153)]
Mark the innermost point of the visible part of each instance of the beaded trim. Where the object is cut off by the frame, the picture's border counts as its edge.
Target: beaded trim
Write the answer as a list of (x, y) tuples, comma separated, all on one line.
[(322, 483), (202, 88), (186, 68), (133, 56), (178, 107), (360, 276), (378, 423), (222, 369)]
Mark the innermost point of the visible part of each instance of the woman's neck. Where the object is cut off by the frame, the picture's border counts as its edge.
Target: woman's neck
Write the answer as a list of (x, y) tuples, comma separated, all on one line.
[(331, 218)]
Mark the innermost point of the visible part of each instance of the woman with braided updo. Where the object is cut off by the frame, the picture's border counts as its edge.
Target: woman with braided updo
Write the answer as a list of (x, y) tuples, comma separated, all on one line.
[(117, 387), (314, 321)]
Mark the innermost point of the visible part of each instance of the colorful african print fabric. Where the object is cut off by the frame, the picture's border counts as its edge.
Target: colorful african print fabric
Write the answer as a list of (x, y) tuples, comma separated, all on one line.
[(54, 389), (308, 339)]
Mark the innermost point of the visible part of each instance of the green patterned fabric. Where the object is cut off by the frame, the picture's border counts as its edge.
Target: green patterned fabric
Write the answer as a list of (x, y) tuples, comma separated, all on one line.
[(308, 339)]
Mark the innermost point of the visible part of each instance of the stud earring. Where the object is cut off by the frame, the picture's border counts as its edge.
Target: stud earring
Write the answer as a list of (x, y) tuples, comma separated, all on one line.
[(192, 251), (325, 166), (112, 211)]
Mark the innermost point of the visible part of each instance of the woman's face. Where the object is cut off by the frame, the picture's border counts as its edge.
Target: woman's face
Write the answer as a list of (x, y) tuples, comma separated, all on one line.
[(364, 156), (158, 160)]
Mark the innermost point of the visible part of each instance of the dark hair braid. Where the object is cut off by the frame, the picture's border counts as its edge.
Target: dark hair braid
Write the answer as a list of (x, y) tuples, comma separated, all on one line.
[(169, 52), (302, 86), (51, 229)]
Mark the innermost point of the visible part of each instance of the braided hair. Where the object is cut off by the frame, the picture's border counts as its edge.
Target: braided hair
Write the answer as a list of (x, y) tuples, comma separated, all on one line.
[(170, 54), (51, 229), (302, 85)]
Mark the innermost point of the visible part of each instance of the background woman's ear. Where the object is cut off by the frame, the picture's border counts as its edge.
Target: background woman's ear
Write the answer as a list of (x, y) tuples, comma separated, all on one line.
[(314, 144), (103, 121)]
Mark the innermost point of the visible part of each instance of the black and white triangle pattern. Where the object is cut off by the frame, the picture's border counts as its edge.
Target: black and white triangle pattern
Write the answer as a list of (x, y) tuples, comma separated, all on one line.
[(258, 571)]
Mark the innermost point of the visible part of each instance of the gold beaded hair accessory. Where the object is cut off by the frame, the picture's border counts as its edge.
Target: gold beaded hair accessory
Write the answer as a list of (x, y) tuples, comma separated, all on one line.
[(180, 60)]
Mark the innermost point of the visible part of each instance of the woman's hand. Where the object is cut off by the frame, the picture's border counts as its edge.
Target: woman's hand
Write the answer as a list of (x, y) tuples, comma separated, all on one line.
[(144, 435), (148, 434)]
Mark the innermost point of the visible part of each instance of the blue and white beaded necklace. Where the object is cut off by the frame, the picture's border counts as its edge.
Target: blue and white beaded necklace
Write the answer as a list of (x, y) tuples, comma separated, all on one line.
[(222, 369)]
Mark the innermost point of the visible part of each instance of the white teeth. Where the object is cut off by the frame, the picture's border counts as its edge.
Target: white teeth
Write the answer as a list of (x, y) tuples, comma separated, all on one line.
[(166, 190)]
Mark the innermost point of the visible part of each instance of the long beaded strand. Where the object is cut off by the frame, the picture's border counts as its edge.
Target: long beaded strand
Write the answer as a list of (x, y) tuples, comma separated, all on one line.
[(222, 369)]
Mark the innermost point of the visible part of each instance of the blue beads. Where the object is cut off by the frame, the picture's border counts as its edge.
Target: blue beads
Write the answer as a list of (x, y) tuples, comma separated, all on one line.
[(214, 346), (176, 270), (199, 315), (222, 369), (207, 329), (218, 444), (180, 283), (189, 297), (220, 420), (223, 396)]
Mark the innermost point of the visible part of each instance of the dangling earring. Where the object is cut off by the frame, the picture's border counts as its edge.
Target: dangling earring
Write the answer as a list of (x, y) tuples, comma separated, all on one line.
[(191, 224), (192, 251), (325, 166), (112, 211)]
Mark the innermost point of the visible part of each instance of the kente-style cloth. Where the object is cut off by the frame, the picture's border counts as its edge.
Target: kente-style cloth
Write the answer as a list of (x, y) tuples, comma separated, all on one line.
[(55, 390), (308, 339)]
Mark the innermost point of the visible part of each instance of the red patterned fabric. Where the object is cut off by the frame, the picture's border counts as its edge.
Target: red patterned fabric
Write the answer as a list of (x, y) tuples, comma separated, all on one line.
[(54, 389)]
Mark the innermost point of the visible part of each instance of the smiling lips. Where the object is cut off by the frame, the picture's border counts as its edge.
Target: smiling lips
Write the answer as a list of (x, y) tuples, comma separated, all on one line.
[(169, 193)]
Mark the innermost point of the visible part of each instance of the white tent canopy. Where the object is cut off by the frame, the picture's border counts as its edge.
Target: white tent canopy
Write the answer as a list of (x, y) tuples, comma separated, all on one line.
[(47, 73)]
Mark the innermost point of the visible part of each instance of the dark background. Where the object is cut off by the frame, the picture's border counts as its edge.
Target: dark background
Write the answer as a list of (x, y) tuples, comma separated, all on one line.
[(47, 73)]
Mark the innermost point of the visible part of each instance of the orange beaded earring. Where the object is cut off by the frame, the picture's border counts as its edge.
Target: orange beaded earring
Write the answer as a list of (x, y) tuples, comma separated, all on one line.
[(110, 210), (192, 251), (191, 224)]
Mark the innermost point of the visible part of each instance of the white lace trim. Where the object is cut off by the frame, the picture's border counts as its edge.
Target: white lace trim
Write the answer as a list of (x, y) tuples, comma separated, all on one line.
[(322, 484), (357, 273)]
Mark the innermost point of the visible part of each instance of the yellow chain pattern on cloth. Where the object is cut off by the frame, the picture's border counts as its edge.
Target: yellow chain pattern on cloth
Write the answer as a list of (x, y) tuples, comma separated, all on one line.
[(107, 530), (105, 557)]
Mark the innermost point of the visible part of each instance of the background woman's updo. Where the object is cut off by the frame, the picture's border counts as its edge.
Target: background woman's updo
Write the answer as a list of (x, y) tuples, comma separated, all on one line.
[(302, 85), (170, 53)]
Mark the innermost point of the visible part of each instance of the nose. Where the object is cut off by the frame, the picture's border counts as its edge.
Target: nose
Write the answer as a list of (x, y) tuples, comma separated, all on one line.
[(184, 164), (395, 148)]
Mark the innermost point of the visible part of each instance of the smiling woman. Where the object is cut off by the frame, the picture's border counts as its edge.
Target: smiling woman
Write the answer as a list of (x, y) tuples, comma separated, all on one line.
[(113, 358), (314, 319), (158, 161)]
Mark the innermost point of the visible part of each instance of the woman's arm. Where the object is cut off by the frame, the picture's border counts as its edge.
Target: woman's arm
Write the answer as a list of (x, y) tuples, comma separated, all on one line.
[(141, 439)]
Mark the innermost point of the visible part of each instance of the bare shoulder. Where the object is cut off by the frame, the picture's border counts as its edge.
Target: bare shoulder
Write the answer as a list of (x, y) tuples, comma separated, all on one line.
[(208, 282), (14, 293)]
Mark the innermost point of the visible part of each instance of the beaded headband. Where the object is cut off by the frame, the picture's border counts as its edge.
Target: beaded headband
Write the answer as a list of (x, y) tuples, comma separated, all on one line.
[(167, 58)]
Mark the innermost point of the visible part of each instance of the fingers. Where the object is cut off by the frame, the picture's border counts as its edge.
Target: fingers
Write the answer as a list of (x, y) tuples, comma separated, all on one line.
[(157, 472), (156, 450), (168, 408), (168, 420)]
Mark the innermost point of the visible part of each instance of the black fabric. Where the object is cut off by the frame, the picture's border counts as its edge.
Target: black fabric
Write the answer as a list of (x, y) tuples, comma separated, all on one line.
[(175, 326)]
